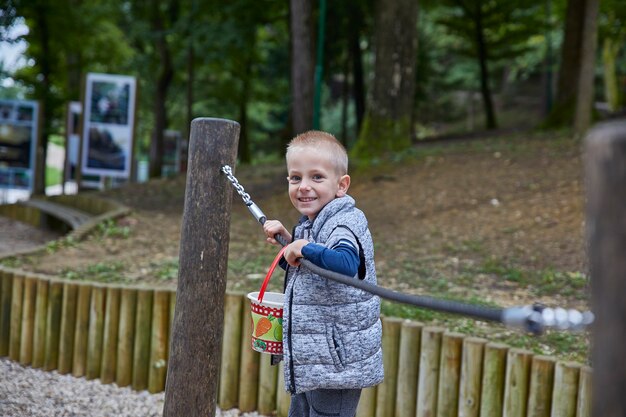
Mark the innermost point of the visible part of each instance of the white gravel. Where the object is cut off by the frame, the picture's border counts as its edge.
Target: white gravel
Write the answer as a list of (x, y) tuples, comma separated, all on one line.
[(28, 392)]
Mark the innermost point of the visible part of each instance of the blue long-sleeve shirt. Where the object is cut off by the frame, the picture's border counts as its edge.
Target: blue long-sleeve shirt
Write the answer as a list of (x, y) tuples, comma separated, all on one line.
[(342, 258)]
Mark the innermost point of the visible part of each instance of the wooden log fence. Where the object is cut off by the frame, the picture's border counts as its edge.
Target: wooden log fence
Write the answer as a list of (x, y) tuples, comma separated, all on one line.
[(121, 334)]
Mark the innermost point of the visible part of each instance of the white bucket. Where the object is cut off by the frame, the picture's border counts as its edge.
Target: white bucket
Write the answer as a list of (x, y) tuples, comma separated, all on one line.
[(267, 322)]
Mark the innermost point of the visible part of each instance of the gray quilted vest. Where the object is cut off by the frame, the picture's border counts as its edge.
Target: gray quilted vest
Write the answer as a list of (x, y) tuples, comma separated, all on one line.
[(332, 332)]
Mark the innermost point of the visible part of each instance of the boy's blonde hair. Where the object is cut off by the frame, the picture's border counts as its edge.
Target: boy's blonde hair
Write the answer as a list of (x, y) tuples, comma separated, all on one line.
[(325, 142)]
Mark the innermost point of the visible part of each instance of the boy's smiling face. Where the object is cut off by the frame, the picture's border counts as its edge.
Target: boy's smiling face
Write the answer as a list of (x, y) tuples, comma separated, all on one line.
[(313, 180)]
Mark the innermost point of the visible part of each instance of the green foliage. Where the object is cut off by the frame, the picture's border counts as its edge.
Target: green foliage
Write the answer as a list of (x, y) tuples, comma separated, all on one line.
[(99, 272), (56, 245), (54, 176), (109, 228)]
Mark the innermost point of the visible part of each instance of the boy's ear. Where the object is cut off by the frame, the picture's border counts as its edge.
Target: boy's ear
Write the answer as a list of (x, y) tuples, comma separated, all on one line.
[(344, 184)]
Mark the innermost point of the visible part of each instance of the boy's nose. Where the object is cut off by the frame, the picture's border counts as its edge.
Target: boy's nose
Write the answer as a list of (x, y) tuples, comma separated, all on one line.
[(305, 185)]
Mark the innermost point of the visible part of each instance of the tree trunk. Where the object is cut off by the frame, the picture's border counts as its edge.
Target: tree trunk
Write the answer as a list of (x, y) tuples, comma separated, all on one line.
[(302, 65), (39, 178), (569, 70), (357, 69), (610, 50), (485, 90), (387, 124), (244, 144), (570, 52), (163, 83), (585, 97)]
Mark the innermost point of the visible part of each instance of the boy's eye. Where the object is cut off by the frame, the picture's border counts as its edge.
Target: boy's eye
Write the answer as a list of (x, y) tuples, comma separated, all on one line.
[(294, 179), (317, 177)]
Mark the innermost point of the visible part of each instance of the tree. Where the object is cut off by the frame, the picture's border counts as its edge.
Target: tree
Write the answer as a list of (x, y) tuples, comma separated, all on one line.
[(613, 38), (387, 123), (302, 64), (584, 99), (491, 32), (89, 40), (577, 66)]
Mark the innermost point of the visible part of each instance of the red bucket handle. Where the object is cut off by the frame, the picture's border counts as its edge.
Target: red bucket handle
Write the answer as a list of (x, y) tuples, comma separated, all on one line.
[(269, 273)]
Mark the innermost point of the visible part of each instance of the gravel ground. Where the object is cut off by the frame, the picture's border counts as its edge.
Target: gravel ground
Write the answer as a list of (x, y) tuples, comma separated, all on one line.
[(27, 392)]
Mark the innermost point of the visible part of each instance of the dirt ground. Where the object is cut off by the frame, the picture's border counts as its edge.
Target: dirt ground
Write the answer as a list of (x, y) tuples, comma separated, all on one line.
[(498, 221)]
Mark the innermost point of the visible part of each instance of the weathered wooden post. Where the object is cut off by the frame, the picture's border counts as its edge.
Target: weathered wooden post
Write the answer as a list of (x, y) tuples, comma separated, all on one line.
[(605, 147), (195, 346)]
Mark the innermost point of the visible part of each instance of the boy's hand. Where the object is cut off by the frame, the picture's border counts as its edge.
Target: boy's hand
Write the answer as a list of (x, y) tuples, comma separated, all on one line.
[(273, 228), (293, 252)]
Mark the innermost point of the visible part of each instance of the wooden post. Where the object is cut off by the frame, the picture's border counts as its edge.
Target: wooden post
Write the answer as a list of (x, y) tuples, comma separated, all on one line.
[(268, 380), (229, 375), (408, 371), (141, 347), (195, 347), (81, 331), (53, 325), (28, 320), (126, 337), (428, 381), (449, 374), (110, 335), (564, 398), (16, 316), (158, 342), (605, 147), (68, 326), (541, 386), (41, 317), (471, 376), (249, 367), (5, 311), (494, 371), (95, 333), (386, 392), (517, 383)]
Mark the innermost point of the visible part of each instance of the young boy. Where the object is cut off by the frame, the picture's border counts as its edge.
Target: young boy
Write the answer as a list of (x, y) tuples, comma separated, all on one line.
[(332, 331)]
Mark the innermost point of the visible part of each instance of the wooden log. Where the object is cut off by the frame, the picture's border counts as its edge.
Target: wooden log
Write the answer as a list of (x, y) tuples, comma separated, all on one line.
[(191, 387), (5, 312), (249, 368), (268, 377), (229, 373), (17, 299), (110, 334), (408, 371), (141, 346), (81, 333), (584, 402), (565, 395), (386, 392), (68, 327), (449, 374), (96, 331), (53, 325), (605, 162), (541, 383), (41, 318), (367, 403), (494, 375), (126, 337), (283, 399), (430, 354), (28, 320), (471, 376), (159, 341), (517, 382)]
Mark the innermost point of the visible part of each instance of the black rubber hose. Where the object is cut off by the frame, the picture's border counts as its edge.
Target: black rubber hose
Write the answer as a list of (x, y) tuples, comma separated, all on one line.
[(446, 306)]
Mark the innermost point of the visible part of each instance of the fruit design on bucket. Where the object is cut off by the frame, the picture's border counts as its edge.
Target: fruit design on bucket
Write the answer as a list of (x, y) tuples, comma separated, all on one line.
[(267, 328)]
